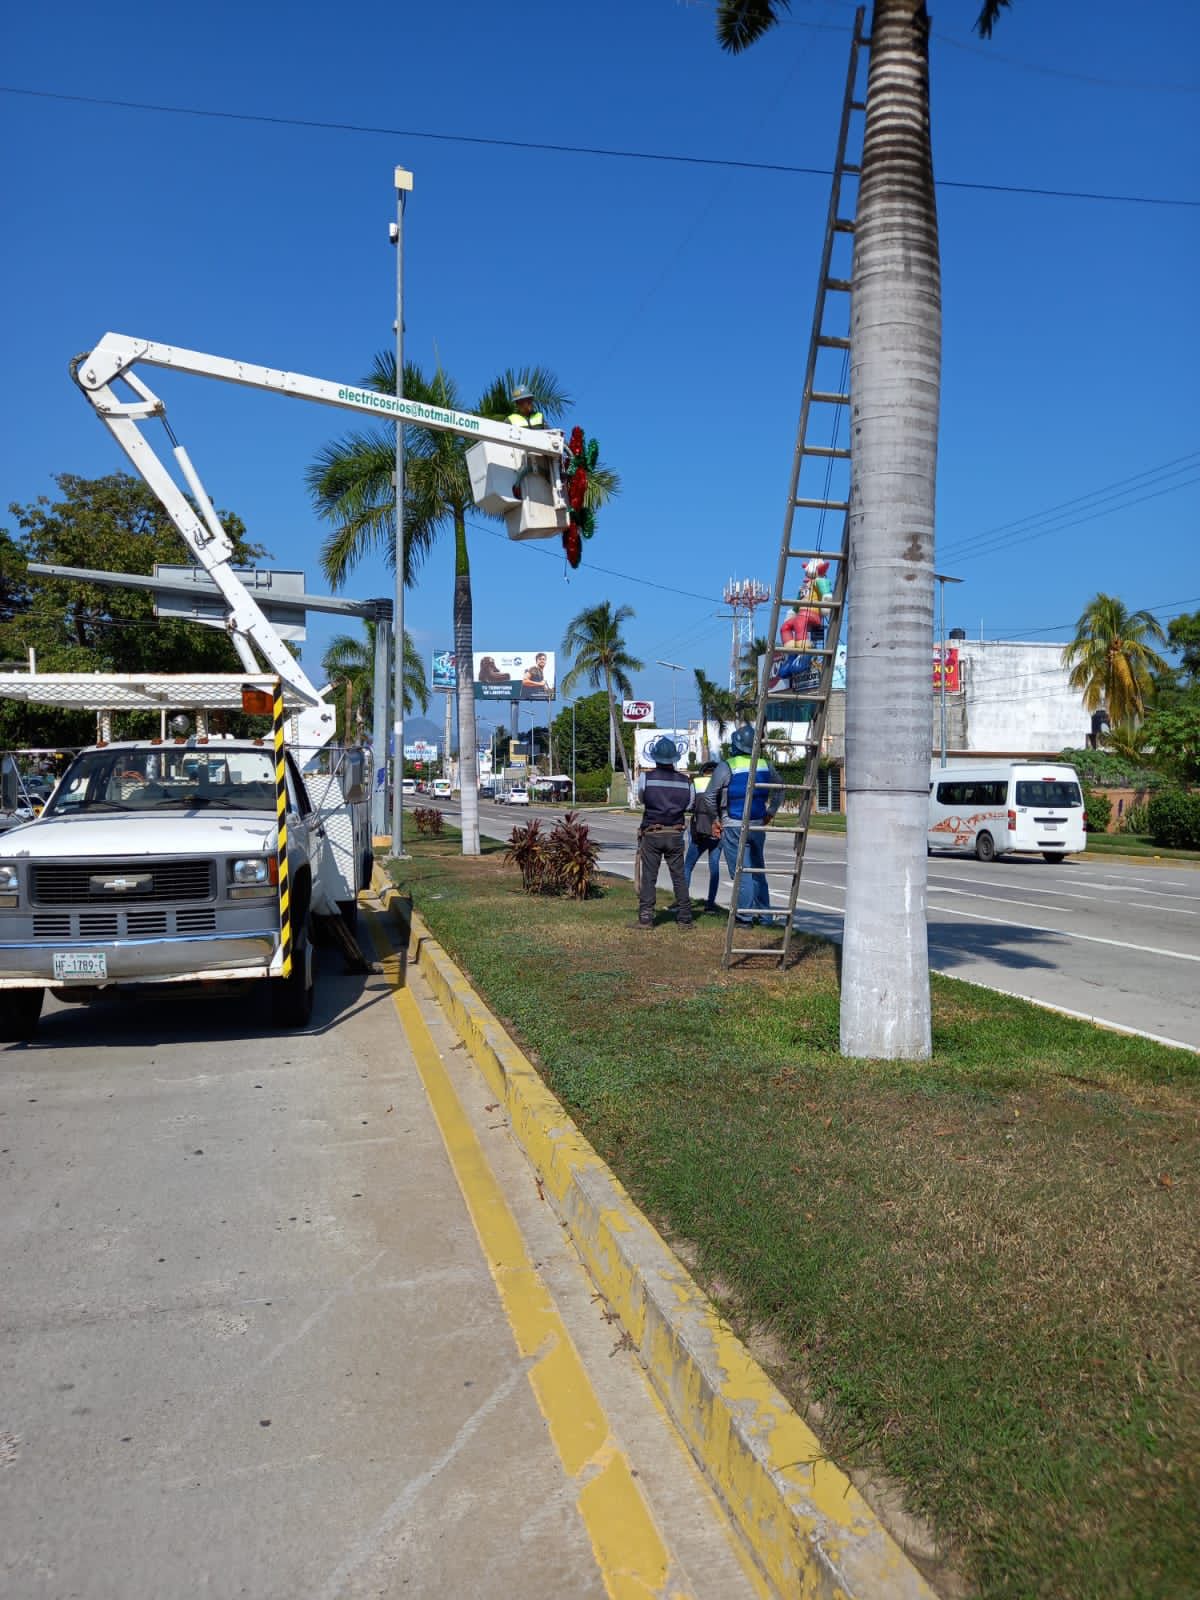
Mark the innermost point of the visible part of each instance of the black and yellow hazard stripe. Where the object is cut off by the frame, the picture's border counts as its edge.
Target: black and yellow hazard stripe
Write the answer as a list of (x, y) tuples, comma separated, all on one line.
[(285, 904)]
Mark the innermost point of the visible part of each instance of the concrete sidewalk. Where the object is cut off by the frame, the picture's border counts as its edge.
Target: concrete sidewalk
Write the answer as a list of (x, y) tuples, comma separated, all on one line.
[(272, 1327)]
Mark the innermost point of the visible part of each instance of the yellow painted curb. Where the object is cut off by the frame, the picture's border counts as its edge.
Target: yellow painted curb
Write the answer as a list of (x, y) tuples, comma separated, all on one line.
[(813, 1534)]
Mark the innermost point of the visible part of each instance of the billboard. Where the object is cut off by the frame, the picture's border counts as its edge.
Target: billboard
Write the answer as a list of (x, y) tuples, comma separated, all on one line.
[(643, 738), (637, 710), (420, 750), (514, 675), (792, 673), (444, 675), (953, 683)]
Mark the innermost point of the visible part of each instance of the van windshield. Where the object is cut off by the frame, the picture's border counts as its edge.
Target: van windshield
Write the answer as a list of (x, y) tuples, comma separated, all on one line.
[(1043, 792)]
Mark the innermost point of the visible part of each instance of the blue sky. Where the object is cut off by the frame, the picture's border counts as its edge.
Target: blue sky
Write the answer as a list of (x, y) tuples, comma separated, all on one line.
[(673, 300)]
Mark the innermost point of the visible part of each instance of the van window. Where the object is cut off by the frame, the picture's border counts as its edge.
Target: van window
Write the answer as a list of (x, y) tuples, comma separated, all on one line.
[(1042, 792), (979, 793)]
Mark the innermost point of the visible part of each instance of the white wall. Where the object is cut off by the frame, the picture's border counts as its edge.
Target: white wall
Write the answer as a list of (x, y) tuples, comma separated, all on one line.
[(1017, 698)]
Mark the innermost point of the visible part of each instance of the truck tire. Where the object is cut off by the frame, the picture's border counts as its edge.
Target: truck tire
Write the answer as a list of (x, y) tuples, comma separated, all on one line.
[(1054, 855), (19, 1013), (292, 997), (985, 847)]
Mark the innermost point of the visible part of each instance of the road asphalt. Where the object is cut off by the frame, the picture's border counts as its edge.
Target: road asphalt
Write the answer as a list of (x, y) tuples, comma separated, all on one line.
[(250, 1341), (1114, 942)]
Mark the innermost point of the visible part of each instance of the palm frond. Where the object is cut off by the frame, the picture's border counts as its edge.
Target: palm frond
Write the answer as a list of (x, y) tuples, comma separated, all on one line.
[(988, 17), (496, 400), (741, 23)]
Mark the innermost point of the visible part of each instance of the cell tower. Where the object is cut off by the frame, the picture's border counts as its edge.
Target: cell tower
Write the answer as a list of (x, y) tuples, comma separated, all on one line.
[(743, 596)]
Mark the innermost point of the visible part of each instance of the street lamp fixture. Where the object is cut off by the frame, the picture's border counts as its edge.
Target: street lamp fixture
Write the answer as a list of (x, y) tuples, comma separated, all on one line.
[(675, 667)]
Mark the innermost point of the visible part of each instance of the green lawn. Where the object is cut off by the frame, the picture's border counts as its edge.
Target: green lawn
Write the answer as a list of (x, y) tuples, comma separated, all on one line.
[(977, 1275)]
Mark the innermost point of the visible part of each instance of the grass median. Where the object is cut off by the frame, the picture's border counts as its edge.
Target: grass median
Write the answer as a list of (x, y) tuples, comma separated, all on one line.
[(976, 1275)]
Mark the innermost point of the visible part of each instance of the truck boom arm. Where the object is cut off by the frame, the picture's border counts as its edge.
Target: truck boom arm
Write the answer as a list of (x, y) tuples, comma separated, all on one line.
[(114, 359)]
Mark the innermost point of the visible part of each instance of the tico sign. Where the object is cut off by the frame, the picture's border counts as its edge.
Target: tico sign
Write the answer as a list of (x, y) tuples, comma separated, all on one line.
[(637, 710)]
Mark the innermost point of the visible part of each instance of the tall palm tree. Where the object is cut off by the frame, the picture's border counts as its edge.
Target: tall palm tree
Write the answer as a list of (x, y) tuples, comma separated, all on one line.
[(351, 484), (895, 381), (599, 655), (716, 705), (350, 661), (1111, 659)]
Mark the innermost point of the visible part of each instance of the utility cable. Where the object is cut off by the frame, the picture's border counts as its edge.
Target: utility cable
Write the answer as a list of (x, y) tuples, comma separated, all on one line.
[(610, 153)]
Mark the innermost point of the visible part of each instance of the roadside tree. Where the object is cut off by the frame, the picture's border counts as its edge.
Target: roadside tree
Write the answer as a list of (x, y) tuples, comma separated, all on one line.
[(352, 488), (349, 664), (599, 655), (1111, 658)]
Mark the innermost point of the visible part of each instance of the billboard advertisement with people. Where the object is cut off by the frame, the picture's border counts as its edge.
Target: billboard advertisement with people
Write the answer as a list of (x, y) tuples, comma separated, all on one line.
[(444, 675), (515, 675)]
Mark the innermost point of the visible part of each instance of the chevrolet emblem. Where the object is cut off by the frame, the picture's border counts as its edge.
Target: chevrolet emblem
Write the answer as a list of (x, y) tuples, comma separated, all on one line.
[(143, 881)]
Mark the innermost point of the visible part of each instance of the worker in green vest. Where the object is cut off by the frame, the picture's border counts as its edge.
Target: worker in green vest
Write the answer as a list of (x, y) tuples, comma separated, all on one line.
[(525, 412)]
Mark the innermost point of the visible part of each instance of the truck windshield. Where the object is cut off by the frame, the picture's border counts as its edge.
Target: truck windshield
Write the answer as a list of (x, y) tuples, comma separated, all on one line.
[(1046, 792), (167, 777)]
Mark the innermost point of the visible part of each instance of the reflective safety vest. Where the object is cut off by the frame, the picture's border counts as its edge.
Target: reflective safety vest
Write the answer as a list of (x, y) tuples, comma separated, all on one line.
[(520, 420), (739, 766), (666, 794)]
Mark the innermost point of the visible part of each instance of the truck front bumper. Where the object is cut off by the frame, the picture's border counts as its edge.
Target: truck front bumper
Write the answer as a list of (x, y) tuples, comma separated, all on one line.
[(246, 954)]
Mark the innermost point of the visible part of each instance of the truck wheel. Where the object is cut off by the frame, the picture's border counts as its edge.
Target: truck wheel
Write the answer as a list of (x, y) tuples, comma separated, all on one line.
[(1054, 855), (348, 910), (985, 847), (292, 997), (19, 1013)]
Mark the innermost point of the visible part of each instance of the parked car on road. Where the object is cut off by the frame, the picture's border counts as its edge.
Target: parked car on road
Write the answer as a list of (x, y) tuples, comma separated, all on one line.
[(518, 795)]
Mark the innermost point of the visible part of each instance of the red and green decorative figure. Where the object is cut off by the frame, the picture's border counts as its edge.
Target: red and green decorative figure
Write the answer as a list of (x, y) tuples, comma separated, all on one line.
[(581, 459)]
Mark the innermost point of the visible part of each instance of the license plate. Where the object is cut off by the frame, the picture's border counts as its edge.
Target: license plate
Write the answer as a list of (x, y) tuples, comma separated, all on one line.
[(79, 964), (1049, 826)]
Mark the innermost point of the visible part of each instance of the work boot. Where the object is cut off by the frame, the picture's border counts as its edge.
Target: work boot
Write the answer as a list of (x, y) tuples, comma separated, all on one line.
[(687, 925), (644, 923)]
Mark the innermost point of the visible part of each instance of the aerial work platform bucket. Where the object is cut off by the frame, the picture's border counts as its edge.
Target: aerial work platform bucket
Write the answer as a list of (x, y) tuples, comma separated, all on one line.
[(525, 490)]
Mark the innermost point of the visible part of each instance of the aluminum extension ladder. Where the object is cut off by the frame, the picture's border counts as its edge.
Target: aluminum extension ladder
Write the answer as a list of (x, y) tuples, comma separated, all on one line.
[(824, 412)]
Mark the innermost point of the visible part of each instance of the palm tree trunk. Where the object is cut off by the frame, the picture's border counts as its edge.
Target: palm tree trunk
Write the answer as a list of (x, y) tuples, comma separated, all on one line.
[(612, 722), (464, 644), (895, 375)]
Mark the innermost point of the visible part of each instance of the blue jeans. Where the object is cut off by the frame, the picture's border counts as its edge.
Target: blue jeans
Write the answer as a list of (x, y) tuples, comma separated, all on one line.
[(754, 894), (694, 852)]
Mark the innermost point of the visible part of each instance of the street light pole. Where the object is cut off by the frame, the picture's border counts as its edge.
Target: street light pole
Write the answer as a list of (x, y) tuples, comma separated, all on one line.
[(572, 752), (675, 667), (404, 183), (943, 580)]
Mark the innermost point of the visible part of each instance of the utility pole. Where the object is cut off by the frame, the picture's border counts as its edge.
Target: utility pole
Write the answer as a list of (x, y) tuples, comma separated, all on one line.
[(943, 580), (379, 717), (404, 183), (674, 669)]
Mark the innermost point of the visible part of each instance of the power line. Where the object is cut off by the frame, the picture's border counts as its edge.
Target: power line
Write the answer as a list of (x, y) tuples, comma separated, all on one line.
[(609, 572), (570, 149)]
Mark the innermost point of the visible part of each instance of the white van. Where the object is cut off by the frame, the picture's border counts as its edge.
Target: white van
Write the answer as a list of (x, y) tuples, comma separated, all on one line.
[(995, 809), (442, 789)]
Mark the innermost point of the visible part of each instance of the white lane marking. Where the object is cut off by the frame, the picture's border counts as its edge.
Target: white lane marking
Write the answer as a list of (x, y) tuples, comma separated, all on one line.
[(1023, 888), (1080, 1016), (1063, 933), (1175, 911)]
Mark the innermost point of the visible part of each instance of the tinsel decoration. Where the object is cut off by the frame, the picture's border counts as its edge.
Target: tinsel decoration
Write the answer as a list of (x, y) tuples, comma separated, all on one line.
[(582, 455)]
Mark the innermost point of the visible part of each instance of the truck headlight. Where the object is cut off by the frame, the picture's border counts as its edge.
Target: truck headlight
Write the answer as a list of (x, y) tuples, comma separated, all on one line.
[(253, 877), (10, 884)]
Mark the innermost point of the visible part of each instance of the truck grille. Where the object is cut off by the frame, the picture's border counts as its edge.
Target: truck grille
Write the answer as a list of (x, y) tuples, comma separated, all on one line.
[(71, 883), (59, 926)]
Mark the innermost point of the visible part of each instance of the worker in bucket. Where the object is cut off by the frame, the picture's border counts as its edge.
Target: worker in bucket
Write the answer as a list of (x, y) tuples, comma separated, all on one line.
[(525, 412)]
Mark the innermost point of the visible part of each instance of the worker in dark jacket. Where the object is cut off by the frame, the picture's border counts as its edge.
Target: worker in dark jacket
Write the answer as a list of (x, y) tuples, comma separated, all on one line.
[(667, 796), (725, 801)]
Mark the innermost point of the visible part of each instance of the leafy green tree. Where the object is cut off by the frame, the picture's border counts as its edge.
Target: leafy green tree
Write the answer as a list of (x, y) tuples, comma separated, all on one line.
[(1174, 737), (115, 524), (593, 729), (351, 485), (349, 663), (598, 652), (1183, 634), (1111, 658)]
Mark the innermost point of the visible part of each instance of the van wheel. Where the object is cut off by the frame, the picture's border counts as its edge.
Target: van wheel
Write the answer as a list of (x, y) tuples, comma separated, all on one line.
[(985, 847), (19, 1013), (1054, 855), (292, 997)]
